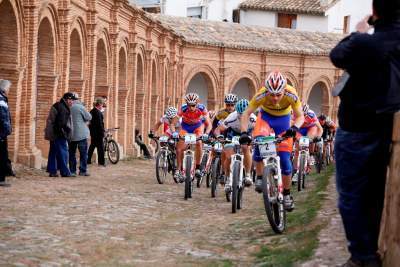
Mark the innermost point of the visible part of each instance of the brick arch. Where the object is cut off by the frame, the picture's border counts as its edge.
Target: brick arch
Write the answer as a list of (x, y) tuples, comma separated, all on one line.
[(323, 85), (154, 109), (122, 95), (292, 80), (211, 80), (140, 92), (250, 77), (77, 59), (167, 86), (47, 79), (11, 46)]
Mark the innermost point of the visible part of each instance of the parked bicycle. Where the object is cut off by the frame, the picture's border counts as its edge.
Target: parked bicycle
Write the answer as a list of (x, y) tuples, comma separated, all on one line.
[(272, 185), (166, 158), (111, 148)]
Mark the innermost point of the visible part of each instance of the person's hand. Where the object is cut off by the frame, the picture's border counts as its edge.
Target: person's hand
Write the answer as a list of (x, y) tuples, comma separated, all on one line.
[(291, 132), (363, 26), (151, 135), (175, 135), (244, 139)]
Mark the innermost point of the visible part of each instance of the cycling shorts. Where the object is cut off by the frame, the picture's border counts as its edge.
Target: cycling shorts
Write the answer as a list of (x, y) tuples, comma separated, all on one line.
[(197, 129), (267, 124)]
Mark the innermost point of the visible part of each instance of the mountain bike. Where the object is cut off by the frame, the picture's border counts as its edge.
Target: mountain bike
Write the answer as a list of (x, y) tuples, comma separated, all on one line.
[(302, 162), (188, 163), (111, 148), (236, 175), (205, 165), (272, 185), (319, 161), (166, 158), (216, 164)]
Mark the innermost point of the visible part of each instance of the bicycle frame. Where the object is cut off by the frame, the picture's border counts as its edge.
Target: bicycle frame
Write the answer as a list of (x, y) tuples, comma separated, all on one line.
[(190, 141), (237, 156), (304, 144)]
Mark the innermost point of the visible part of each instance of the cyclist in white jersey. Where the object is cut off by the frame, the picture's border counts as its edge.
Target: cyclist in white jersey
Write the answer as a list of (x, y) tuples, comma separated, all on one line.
[(232, 125)]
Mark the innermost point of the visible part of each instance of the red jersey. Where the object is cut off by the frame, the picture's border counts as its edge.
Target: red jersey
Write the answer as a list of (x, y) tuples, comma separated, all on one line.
[(192, 117)]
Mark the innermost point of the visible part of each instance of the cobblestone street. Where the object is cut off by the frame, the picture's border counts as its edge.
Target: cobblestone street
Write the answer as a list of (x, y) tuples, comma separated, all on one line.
[(120, 216)]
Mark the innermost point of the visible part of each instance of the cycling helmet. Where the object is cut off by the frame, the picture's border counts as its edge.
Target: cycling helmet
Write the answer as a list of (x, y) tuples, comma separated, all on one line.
[(192, 98), (275, 82), (231, 99), (241, 106), (171, 112), (322, 117), (306, 108)]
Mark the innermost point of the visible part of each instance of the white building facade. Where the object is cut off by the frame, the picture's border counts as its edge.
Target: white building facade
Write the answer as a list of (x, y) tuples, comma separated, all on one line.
[(340, 16)]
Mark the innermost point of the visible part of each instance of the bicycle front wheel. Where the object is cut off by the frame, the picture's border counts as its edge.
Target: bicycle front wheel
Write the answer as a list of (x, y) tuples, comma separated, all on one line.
[(302, 173), (113, 151), (216, 168), (276, 214), (235, 185), (188, 178), (161, 166)]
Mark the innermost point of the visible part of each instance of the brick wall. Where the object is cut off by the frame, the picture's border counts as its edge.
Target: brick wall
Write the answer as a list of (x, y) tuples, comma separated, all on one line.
[(64, 45)]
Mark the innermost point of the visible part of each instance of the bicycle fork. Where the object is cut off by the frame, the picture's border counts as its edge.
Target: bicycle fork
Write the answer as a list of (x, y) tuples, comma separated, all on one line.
[(275, 163)]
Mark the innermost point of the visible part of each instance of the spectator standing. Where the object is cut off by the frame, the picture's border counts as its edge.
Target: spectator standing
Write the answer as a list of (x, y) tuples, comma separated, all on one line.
[(142, 145), (59, 132), (5, 131), (80, 135), (97, 130), (362, 147)]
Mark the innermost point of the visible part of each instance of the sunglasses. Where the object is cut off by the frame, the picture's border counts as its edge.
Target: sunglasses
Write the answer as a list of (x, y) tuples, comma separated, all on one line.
[(276, 95), (230, 105), (191, 105)]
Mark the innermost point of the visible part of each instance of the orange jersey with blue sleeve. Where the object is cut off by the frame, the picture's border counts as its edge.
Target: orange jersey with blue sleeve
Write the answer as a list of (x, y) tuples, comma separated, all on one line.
[(289, 101), (192, 117)]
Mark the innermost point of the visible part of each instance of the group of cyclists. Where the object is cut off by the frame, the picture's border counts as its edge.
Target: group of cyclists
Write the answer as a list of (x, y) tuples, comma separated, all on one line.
[(275, 109)]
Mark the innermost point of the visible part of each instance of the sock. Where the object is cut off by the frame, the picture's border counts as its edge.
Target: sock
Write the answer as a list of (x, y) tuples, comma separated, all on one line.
[(286, 192)]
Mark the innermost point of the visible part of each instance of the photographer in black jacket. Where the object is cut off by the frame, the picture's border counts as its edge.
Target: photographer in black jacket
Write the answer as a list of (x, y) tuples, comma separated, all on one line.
[(362, 147)]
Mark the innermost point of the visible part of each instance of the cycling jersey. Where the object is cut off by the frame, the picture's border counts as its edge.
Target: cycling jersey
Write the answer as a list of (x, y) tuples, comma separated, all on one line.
[(166, 123), (310, 119), (220, 116), (232, 122), (329, 128), (290, 100), (192, 117)]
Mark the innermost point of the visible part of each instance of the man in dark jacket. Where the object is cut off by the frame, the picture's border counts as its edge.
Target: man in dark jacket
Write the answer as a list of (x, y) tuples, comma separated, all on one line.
[(5, 131), (59, 131), (96, 127), (362, 147)]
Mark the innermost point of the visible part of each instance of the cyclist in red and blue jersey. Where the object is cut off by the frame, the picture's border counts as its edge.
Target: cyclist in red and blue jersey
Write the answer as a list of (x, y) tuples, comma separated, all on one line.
[(194, 116)]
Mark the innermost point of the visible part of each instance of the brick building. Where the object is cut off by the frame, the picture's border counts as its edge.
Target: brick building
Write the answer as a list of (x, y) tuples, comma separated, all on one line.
[(141, 62)]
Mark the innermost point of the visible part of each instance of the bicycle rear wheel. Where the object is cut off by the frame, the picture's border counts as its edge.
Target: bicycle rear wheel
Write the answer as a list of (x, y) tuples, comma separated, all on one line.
[(161, 166), (188, 178), (276, 214), (215, 173), (235, 185), (113, 151)]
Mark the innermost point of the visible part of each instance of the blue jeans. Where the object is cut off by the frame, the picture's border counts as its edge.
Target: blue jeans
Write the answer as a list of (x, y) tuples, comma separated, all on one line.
[(58, 157), (83, 155), (361, 166)]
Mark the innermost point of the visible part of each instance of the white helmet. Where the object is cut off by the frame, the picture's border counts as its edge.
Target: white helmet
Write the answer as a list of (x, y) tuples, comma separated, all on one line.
[(275, 82), (231, 99), (192, 98), (306, 108), (171, 112)]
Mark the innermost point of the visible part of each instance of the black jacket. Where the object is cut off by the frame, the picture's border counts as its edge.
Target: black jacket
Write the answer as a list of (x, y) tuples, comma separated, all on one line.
[(96, 125), (365, 58), (62, 126)]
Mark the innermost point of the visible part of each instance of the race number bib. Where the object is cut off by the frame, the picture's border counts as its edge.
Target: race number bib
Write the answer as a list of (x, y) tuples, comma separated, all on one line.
[(164, 139), (235, 140), (267, 150), (304, 141), (190, 139)]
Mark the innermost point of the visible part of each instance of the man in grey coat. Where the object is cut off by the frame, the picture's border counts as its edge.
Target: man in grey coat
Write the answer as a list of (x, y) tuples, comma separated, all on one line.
[(80, 135)]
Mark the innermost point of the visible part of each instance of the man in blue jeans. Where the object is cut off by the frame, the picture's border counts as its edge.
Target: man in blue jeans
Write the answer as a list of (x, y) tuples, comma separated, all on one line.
[(59, 131), (363, 139), (80, 135)]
